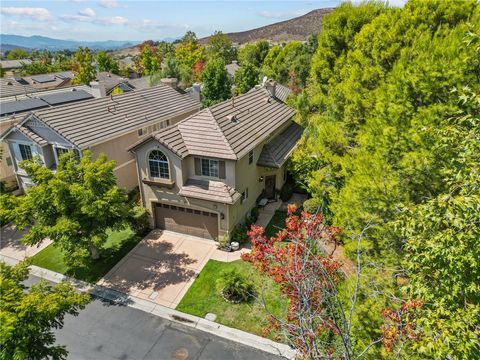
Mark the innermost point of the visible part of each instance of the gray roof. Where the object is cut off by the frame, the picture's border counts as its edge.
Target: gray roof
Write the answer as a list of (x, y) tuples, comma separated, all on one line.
[(14, 64), (140, 83), (282, 92), (31, 135), (232, 68), (10, 87), (65, 97), (110, 81), (227, 130), (30, 84), (276, 152), (92, 121), (216, 191)]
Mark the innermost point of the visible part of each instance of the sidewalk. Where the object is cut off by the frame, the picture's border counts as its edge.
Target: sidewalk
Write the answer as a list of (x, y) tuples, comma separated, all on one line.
[(164, 312)]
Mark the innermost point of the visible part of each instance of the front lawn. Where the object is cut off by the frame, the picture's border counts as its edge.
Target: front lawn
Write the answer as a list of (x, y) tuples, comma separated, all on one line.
[(119, 243), (276, 224), (203, 297)]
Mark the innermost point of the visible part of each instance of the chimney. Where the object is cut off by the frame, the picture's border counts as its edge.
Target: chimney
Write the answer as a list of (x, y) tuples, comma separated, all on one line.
[(197, 92), (98, 89), (271, 86), (172, 82)]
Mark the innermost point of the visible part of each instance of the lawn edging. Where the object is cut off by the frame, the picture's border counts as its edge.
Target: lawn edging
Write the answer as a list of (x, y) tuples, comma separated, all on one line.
[(192, 321)]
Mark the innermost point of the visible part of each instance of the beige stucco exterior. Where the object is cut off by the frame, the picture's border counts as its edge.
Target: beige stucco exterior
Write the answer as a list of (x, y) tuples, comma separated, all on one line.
[(239, 174)]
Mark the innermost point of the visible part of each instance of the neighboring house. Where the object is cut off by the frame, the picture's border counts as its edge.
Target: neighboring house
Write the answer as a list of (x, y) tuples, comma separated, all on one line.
[(13, 66), (13, 109), (108, 82), (19, 85), (203, 175), (232, 69), (105, 125)]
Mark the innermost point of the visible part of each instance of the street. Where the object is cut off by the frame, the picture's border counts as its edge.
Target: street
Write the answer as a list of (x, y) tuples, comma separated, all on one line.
[(109, 331)]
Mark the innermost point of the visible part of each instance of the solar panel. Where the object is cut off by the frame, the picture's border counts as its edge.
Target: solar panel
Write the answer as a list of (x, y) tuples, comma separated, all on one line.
[(43, 78), (21, 81), (63, 77), (125, 87), (13, 107), (66, 97)]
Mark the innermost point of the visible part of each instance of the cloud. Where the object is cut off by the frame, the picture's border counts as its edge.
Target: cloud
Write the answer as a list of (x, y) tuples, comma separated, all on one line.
[(87, 12), (106, 21), (111, 4), (39, 14), (148, 24), (282, 14)]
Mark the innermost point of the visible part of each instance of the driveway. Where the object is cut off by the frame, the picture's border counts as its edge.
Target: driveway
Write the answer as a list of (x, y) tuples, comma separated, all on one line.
[(11, 246), (161, 267)]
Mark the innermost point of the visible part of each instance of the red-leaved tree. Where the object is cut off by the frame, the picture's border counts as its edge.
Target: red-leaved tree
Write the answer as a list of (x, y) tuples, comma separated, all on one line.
[(316, 324)]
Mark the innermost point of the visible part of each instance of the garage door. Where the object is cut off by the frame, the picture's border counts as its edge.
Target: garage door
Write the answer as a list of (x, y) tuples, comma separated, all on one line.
[(187, 221)]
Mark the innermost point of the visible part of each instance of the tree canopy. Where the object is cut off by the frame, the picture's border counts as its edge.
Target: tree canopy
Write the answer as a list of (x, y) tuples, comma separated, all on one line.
[(216, 84), (29, 316), (83, 68)]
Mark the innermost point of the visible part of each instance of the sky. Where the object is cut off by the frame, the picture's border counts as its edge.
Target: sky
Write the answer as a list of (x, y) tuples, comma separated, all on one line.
[(140, 20)]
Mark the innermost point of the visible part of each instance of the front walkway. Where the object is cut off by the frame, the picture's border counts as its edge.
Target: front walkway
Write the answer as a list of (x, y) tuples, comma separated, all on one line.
[(11, 246)]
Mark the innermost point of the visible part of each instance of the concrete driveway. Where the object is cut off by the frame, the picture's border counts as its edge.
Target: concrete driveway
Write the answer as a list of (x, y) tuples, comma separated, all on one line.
[(11, 246), (161, 267)]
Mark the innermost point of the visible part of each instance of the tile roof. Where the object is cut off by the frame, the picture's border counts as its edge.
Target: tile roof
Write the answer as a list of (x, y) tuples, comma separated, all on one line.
[(92, 121), (216, 191), (14, 64), (282, 92), (31, 135), (232, 68), (276, 152), (227, 130), (10, 87)]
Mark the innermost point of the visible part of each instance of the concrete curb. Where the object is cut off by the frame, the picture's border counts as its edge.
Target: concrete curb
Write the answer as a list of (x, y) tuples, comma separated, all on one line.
[(196, 322)]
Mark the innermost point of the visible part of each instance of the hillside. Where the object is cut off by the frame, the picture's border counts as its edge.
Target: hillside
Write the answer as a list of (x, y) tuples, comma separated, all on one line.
[(298, 28)]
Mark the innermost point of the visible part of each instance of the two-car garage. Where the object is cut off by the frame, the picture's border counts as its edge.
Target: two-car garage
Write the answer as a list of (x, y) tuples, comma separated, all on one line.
[(186, 221)]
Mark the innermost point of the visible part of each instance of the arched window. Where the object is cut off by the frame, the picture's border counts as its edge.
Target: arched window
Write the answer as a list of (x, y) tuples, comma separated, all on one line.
[(158, 164)]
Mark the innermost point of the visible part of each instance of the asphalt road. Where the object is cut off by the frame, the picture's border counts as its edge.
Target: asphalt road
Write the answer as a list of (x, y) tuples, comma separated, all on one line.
[(107, 331)]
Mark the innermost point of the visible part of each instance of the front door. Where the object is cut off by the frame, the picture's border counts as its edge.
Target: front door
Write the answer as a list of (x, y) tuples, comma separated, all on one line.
[(270, 186)]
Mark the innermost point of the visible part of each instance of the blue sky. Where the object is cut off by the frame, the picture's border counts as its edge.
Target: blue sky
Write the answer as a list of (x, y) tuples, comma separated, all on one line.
[(141, 20)]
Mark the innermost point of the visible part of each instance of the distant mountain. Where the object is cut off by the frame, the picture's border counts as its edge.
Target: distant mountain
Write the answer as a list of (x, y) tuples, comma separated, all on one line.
[(43, 42), (299, 28)]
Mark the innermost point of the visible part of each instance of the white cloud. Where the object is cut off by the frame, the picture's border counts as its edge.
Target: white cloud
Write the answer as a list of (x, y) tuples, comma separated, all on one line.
[(111, 4), (39, 14), (87, 12), (149, 24), (107, 21), (282, 14)]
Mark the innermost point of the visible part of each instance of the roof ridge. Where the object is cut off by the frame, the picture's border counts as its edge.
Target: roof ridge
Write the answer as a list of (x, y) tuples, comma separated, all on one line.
[(219, 128)]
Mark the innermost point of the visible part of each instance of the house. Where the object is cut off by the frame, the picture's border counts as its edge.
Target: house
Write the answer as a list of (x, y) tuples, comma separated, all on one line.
[(12, 66), (18, 85), (104, 125), (13, 109), (203, 175), (232, 69)]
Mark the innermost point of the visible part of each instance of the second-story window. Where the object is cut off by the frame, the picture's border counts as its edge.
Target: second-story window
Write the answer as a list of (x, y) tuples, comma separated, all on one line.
[(250, 157), (60, 152), (210, 168), (158, 165), (25, 151)]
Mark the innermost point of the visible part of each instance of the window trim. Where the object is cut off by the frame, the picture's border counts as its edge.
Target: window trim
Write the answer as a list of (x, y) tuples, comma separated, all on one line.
[(167, 162), (20, 151), (251, 155), (209, 161)]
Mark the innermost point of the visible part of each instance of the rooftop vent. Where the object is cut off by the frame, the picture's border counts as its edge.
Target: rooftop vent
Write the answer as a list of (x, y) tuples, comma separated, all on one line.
[(232, 118)]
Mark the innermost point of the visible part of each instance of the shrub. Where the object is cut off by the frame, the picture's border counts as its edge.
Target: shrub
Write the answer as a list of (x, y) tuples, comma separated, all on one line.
[(249, 221), (234, 287), (286, 192), (239, 234), (223, 241), (139, 220)]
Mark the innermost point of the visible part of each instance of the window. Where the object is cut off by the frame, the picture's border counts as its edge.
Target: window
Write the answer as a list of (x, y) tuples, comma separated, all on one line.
[(9, 161), (250, 157), (243, 197), (210, 168), (158, 164), (25, 151), (142, 131), (60, 152)]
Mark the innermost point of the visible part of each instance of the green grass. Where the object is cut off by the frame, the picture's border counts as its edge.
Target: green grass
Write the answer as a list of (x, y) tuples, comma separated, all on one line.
[(203, 297), (118, 244), (276, 224)]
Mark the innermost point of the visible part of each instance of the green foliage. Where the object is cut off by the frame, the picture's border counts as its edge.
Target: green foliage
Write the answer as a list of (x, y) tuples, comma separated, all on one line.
[(286, 191), (220, 45), (164, 50), (107, 63), (171, 68), (246, 77), (139, 220), (17, 54), (148, 60), (83, 68), (253, 53), (189, 51), (28, 316), (234, 287), (216, 84), (389, 144), (74, 206), (239, 234)]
